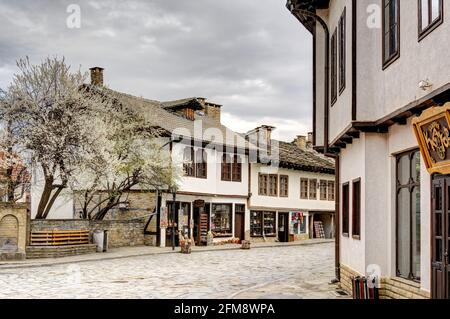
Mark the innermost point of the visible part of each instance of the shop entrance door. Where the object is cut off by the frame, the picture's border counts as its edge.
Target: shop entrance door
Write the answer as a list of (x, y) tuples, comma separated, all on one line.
[(440, 237), (283, 227), (239, 221), (201, 223)]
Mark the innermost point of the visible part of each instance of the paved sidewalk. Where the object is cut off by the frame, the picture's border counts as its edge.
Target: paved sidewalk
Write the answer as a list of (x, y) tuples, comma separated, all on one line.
[(128, 252)]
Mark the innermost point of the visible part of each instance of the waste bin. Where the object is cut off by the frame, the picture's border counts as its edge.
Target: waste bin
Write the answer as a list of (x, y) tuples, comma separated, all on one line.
[(98, 238)]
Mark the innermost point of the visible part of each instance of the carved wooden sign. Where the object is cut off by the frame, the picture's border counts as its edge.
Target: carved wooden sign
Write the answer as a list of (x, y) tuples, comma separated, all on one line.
[(432, 129)]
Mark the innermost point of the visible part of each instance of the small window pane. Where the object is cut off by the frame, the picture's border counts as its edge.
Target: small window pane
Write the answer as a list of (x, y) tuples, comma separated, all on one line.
[(425, 13), (403, 232), (403, 170), (435, 12)]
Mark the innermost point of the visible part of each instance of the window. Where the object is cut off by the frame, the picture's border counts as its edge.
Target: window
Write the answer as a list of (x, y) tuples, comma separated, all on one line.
[(331, 191), (323, 190), (188, 161), (313, 189), (201, 163), (231, 169), (284, 186), (342, 55), (262, 184), (269, 224), (430, 16), (345, 209), (273, 185), (255, 224), (303, 188), (237, 169), (221, 220), (391, 31), (226, 167), (298, 221), (356, 209), (262, 224), (408, 215), (334, 68)]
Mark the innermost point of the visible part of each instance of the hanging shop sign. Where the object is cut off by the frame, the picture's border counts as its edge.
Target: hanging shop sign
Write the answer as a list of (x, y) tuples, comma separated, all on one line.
[(432, 129)]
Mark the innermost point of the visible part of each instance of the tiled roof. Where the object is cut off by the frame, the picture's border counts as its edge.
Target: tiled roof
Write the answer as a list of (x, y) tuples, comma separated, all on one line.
[(177, 104), (305, 159), (204, 128)]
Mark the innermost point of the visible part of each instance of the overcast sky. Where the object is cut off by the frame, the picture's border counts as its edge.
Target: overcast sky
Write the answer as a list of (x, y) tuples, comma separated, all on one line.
[(251, 56)]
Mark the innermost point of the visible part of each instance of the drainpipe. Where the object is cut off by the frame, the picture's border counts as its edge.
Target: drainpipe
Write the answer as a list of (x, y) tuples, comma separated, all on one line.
[(296, 13)]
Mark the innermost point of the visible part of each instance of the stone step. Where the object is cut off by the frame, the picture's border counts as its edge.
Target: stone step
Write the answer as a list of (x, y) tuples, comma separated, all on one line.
[(59, 251)]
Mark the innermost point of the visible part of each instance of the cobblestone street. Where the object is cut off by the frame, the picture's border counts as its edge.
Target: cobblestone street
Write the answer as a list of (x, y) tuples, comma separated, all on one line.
[(276, 272)]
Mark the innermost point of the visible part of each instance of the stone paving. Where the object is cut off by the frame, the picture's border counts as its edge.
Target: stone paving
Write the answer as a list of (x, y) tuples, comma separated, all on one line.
[(270, 272)]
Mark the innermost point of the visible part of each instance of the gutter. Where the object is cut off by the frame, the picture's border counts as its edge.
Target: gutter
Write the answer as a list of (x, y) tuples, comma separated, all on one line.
[(298, 13)]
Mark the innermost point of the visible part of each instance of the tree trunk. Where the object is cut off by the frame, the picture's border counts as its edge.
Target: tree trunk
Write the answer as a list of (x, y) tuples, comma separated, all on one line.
[(45, 197)]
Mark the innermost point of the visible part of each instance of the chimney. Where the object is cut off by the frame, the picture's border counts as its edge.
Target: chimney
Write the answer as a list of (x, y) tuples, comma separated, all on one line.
[(213, 111), (309, 141), (300, 141), (261, 136), (97, 76)]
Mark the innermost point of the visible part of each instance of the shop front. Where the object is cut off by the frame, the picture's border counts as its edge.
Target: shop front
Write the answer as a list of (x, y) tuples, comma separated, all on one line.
[(282, 226), (432, 131), (204, 221)]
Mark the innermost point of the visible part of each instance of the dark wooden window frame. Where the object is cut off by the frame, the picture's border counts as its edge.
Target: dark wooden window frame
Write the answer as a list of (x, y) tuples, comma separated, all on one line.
[(201, 166), (310, 188), (323, 187), (307, 188), (411, 185), (334, 68), (331, 191), (342, 51), (275, 184), (189, 167), (388, 60), (356, 210), (346, 209), (260, 177), (226, 168), (432, 25), (286, 194), (236, 169)]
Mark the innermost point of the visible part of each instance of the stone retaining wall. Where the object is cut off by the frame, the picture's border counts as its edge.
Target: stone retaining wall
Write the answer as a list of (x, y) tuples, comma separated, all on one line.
[(390, 288), (121, 233)]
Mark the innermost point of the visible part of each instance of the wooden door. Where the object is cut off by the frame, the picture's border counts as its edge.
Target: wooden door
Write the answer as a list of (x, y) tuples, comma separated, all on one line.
[(239, 221), (283, 227), (440, 237)]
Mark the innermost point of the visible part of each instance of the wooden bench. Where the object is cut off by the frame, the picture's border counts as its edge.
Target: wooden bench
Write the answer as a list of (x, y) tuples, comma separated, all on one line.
[(59, 237)]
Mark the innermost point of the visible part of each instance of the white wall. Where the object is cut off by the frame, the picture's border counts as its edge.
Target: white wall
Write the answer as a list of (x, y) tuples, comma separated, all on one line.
[(353, 166), (63, 206), (213, 183), (293, 201), (381, 92)]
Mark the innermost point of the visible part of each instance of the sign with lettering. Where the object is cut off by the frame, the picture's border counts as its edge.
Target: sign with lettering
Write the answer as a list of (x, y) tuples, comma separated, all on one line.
[(432, 130)]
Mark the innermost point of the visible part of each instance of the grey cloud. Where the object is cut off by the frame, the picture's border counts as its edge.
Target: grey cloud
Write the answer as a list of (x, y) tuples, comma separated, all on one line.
[(250, 55)]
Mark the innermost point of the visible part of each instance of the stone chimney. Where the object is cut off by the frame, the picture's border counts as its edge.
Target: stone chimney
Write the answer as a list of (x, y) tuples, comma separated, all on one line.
[(213, 111), (261, 136), (97, 76), (309, 141), (300, 141)]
